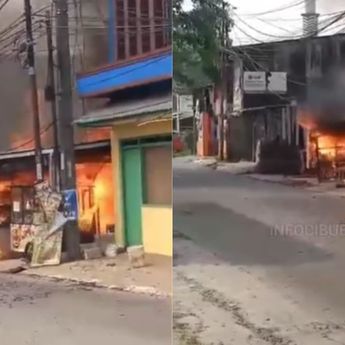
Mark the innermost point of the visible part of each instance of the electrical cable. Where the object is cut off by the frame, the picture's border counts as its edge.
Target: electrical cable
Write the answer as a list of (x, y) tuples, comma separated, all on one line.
[(44, 130), (4, 4), (280, 9)]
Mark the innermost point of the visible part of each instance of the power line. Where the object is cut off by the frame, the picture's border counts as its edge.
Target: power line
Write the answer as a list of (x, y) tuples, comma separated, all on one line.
[(260, 32), (4, 4), (326, 23), (29, 141), (279, 9)]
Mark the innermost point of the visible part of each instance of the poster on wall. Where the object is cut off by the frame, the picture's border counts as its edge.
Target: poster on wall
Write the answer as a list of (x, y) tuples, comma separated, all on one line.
[(21, 235), (70, 202), (238, 92)]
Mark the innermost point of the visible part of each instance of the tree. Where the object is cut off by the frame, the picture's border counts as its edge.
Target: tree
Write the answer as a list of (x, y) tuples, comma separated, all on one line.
[(198, 37)]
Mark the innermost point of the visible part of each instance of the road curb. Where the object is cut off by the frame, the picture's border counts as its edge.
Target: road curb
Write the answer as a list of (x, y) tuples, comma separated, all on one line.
[(287, 182), (13, 266), (94, 283)]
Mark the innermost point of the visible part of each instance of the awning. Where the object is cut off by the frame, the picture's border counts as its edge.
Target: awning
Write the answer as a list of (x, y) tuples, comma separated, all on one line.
[(48, 151), (140, 71), (133, 110)]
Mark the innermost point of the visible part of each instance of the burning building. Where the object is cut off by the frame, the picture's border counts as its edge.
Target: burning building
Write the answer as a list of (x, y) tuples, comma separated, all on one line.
[(262, 116), (125, 34), (323, 117), (95, 192)]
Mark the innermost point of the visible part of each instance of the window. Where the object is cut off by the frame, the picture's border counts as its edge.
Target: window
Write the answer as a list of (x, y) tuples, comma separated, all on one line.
[(158, 175), (22, 205)]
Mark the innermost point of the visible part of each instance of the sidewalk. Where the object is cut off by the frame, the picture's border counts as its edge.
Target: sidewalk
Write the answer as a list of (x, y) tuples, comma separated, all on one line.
[(153, 279), (248, 168), (310, 184), (13, 265), (294, 181), (241, 167)]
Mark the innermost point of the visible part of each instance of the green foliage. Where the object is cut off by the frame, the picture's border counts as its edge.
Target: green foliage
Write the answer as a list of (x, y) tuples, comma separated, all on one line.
[(198, 36)]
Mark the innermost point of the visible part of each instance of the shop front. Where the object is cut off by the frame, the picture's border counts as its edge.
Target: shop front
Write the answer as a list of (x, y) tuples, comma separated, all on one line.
[(141, 152)]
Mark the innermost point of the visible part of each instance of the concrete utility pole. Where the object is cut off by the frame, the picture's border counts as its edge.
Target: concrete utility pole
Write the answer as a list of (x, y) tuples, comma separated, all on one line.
[(65, 116), (34, 94), (223, 91), (51, 95), (310, 29)]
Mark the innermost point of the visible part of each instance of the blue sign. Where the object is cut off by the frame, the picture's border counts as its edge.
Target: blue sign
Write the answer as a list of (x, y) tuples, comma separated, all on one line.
[(70, 203)]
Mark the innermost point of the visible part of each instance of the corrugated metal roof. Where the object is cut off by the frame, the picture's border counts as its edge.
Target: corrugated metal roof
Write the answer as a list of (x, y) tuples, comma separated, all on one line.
[(30, 153), (129, 75), (127, 110)]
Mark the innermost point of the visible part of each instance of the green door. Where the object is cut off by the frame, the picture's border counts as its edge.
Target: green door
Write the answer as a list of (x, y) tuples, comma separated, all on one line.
[(132, 183)]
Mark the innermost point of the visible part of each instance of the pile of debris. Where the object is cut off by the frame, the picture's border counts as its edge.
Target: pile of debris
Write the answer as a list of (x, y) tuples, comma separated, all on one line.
[(279, 157), (46, 238)]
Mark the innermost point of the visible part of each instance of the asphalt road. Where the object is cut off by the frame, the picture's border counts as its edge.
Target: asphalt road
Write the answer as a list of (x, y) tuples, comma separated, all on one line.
[(287, 243), (41, 312)]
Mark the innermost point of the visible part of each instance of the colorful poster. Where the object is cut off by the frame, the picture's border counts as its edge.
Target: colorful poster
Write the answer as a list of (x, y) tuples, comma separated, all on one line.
[(70, 203), (21, 235)]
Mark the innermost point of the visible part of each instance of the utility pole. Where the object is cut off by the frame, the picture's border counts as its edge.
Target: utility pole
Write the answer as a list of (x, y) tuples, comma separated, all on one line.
[(51, 96), (195, 137), (34, 94), (223, 92), (65, 115)]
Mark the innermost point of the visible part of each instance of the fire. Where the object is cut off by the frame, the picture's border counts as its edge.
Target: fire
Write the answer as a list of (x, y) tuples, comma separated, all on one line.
[(325, 145), (331, 146), (306, 120), (100, 188), (96, 195)]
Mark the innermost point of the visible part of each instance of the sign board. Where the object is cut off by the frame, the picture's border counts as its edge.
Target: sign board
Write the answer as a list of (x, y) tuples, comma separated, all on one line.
[(262, 82), (277, 82), (70, 203), (254, 82), (185, 105)]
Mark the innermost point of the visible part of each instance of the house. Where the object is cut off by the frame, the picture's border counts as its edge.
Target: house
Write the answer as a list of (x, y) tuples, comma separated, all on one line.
[(136, 86)]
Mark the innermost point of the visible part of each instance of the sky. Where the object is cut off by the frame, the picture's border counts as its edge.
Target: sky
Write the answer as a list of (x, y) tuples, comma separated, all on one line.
[(284, 21)]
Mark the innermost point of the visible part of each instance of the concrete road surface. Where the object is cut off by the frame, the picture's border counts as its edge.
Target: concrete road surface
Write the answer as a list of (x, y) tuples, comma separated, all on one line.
[(256, 262), (40, 312)]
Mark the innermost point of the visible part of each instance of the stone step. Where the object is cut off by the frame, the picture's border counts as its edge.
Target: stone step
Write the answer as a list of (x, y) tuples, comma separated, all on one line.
[(92, 253)]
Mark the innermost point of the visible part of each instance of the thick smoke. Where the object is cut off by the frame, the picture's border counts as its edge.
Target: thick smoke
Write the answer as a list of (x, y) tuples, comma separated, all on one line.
[(326, 103)]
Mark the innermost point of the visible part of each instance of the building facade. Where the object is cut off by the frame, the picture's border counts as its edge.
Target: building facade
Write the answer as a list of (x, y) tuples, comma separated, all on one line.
[(138, 114), (267, 115)]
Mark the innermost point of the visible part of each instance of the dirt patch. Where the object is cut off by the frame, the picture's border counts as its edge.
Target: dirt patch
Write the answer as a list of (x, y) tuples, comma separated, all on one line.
[(180, 235), (269, 335), (187, 326)]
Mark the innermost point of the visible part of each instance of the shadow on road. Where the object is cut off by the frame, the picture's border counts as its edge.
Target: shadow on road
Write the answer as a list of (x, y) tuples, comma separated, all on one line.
[(238, 239)]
